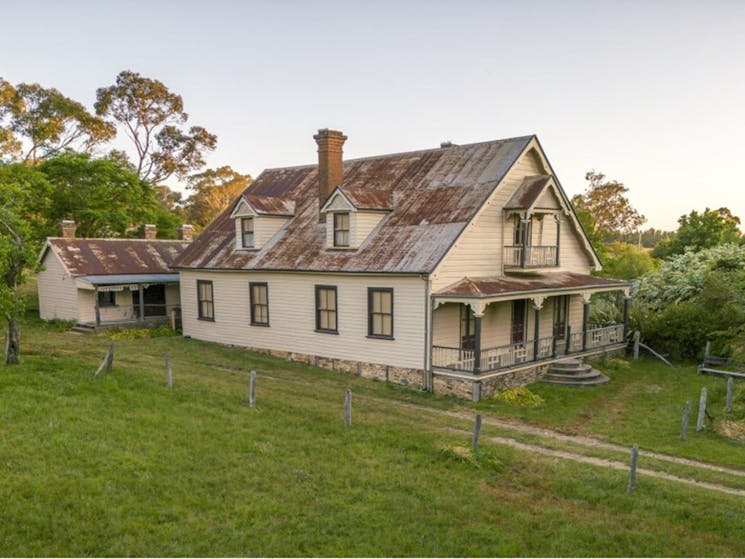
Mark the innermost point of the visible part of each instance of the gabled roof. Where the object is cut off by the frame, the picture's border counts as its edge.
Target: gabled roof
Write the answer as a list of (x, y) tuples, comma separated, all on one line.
[(528, 192), (263, 205), (99, 257), (362, 199), (433, 194)]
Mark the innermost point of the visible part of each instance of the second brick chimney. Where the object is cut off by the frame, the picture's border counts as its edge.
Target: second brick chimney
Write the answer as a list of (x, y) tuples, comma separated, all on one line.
[(67, 229), (185, 232), (148, 231), (330, 172)]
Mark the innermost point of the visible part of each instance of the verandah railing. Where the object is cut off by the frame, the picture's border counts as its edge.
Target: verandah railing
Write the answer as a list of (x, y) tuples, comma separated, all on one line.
[(506, 356)]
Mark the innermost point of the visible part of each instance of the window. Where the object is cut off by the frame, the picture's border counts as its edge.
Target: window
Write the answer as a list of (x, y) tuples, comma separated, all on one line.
[(205, 300), (247, 232), (107, 299), (467, 327), (561, 306), (326, 308), (521, 231), (380, 312), (341, 229), (259, 294)]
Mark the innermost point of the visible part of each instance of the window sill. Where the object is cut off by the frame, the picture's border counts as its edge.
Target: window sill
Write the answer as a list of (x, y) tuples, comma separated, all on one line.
[(262, 324), (341, 249), (206, 319), (322, 331), (249, 249), (380, 337)]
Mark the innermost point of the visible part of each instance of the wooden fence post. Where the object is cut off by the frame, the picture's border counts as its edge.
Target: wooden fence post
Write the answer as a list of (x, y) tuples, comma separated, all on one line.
[(110, 357), (701, 410), (348, 407), (169, 373), (637, 336), (632, 468), (684, 421), (476, 433), (252, 389), (730, 387)]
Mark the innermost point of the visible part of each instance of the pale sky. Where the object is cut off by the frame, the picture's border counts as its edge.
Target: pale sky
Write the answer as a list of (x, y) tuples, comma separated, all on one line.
[(650, 93)]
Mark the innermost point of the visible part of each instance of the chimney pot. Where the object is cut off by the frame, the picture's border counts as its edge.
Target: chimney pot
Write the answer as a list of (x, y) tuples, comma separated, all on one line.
[(186, 232), (67, 228), (149, 231), (330, 164)]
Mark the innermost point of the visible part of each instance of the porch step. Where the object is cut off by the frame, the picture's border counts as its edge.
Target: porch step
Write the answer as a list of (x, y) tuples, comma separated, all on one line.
[(574, 372), (83, 329)]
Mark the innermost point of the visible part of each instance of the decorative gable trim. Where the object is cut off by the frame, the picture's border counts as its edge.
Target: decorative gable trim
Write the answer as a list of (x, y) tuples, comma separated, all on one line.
[(338, 202), (243, 209)]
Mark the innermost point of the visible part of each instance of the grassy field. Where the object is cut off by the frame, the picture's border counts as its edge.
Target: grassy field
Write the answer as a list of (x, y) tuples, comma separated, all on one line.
[(121, 465)]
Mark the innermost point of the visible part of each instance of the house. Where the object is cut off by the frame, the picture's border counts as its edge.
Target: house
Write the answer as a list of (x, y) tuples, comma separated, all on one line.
[(99, 282), (461, 269)]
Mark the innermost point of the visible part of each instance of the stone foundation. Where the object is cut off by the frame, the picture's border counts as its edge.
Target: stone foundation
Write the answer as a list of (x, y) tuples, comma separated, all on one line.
[(477, 388)]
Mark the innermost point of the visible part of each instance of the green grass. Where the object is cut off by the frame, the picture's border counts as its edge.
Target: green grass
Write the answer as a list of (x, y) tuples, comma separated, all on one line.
[(121, 465)]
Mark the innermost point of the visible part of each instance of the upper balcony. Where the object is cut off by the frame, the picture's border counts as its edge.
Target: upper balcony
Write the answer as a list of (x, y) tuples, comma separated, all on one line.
[(530, 257)]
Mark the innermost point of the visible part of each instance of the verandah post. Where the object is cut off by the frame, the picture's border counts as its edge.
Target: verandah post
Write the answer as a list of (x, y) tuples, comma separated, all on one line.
[(477, 343), (585, 320), (536, 330), (626, 304)]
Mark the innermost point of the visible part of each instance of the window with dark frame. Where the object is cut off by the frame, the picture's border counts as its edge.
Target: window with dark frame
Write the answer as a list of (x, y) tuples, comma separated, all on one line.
[(247, 232), (341, 229), (205, 300), (106, 299), (259, 295), (561, 311), (380, 312), (326, 318)]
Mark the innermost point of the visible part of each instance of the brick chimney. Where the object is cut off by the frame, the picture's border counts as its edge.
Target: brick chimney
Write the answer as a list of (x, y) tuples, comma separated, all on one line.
[(330, 173), (67, 229), (148, 231), (185, 232)]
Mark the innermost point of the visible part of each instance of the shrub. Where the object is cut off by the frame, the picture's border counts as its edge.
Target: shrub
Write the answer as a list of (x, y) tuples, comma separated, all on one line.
[(137, 333), (520, 397)]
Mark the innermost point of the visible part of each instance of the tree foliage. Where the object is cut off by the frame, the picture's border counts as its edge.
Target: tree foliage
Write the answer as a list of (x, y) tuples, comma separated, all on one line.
[(103, 196), (214, 190), (153, 118), (38, 122), (626, 261), (24, 199), (698, 231), (606, 204), (693, 298)]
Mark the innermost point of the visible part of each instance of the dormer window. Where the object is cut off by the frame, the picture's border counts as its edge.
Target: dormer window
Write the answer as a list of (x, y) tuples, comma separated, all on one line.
[(341, 229), (247, 232)]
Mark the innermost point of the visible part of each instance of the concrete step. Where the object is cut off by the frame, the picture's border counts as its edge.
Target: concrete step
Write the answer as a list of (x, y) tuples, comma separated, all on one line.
[(599, 380), (83, 329), (570, 365), (590, 374)]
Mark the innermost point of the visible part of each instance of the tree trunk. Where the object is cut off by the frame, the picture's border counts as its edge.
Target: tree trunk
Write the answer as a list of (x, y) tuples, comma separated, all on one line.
[(12, 343)]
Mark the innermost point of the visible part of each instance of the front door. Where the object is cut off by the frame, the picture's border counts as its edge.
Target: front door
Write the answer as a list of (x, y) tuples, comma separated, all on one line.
[(154, 298), (467, 327), (519, 309)]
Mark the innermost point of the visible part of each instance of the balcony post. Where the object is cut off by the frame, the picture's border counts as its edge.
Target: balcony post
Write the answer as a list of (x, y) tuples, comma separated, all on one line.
[(478, 313), (142, 302), (558, 236), (523, 252), (626, 304), (585, 319), (537, 304)]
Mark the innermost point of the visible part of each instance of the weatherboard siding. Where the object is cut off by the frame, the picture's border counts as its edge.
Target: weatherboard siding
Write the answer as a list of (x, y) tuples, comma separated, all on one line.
[(57, 291), (292, 315)]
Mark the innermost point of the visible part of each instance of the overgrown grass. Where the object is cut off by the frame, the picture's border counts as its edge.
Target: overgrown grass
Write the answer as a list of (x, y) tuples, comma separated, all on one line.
[(121, 465)]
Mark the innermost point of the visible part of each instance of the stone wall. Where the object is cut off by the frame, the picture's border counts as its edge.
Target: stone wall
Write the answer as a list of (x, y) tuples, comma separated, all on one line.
[(476, 389)]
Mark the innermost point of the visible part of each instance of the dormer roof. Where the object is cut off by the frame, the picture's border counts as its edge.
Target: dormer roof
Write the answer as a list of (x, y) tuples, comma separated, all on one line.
[(253, 205)]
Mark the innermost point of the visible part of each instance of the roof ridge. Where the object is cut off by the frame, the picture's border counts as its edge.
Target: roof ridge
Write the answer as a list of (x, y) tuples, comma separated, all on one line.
[(117, 239)]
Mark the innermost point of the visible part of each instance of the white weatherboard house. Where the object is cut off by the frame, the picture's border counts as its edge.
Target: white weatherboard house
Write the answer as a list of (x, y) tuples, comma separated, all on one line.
[(104, 282), (461, 270)]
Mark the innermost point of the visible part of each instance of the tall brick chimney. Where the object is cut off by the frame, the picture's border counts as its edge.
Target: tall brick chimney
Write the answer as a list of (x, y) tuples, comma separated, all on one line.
[(330, 172), (148, 231), (185, 232), (67, 229)]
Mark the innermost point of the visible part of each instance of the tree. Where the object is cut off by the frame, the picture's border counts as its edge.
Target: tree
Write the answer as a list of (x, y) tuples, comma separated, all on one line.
[(103, 196), (153, 118), (24, 199), (214, 190), (626, 261), (611, 212), (37, 123), (698, 231)]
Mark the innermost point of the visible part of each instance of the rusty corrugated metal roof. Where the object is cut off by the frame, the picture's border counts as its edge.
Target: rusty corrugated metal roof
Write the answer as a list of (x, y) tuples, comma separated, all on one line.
[(527, 193), (98, 257), (503, 285), (432, 194), (366, 199)]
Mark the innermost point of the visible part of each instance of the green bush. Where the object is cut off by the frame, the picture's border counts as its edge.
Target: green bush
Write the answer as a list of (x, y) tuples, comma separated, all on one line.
[(137, 333)]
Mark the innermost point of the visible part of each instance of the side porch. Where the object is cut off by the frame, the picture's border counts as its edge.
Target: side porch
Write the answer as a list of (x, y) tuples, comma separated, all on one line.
[(482, 328), (128, 300)]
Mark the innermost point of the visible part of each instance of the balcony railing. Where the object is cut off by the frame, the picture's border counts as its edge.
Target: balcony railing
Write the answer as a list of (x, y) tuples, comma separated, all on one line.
[(512, 355), (541, 256)]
